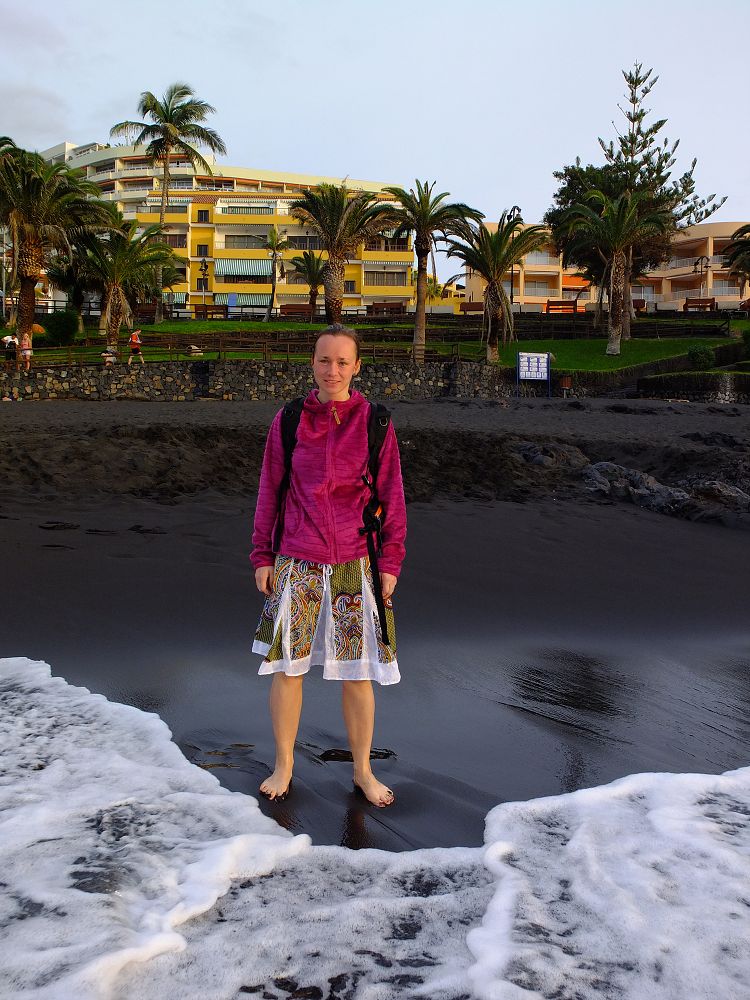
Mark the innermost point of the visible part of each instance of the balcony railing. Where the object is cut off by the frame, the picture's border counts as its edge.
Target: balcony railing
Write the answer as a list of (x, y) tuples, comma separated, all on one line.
[(247, 210), (538, 257)]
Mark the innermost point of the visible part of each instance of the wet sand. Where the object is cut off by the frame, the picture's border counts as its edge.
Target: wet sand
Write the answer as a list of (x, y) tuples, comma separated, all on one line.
[(546, 643)]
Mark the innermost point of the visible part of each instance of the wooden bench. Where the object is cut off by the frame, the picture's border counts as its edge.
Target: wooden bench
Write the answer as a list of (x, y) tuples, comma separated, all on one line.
[(201, 311), (145, 313), (386, 309), (699, 305), (471, 307), (295, 309), (563, 306)]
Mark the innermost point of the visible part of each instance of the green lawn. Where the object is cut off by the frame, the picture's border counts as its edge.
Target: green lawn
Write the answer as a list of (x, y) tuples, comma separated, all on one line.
[(588, 355), (570, 355)]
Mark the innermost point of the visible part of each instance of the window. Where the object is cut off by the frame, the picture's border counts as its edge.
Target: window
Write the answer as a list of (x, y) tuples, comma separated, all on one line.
[(305, 242), (539, 288), (202, 250), (176, 240), (202, 285), (383, 278), (242, 242), (242, 279), (202, 215), (350, 288)]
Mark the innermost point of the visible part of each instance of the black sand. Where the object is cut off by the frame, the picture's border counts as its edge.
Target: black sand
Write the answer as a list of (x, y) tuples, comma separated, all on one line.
[(547, 640)]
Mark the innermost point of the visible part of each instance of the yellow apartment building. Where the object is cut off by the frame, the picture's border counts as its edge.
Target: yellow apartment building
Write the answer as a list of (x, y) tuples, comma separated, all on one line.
[(218, 223), (696, 269)]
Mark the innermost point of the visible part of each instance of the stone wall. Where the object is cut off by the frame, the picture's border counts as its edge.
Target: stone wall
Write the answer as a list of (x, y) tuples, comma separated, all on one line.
[(250, 380), (702, 387)]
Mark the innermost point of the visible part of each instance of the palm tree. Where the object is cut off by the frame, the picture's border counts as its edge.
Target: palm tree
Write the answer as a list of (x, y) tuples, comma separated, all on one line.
[(618, 225), (429, 217), (343, 220), (69, 271), (174, 126), (44, 207), (491, 255), (310, 266), (276, 243), (738, 254), (124, 262)]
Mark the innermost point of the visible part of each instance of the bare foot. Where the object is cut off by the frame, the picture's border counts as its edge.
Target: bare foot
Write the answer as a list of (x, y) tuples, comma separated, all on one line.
[(277, 786), (374, 791)]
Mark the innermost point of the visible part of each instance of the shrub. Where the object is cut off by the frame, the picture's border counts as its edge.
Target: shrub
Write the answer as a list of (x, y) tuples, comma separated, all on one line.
[(746, 341), (61, 327), (701, 357)]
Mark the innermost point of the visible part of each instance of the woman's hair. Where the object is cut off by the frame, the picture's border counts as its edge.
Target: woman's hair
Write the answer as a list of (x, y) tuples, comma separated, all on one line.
[(338, 330)]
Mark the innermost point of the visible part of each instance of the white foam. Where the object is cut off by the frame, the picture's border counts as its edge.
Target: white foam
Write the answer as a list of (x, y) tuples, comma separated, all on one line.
[(637, 890), (111, 841)]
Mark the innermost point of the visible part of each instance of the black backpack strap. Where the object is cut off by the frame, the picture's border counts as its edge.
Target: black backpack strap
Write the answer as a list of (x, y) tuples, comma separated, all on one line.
[(373, 514), (290, 418), (377, 428)]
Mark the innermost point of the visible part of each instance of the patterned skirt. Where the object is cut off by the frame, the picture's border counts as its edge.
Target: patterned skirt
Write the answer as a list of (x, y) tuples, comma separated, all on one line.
[(326, 615)]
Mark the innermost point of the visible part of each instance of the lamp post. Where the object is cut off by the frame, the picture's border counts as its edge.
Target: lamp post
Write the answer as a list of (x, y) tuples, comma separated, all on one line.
[(701, 265), (203, 268), (513, 216)]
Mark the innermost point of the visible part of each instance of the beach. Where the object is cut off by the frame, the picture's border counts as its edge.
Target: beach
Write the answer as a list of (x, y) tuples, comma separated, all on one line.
[(549, 638), (568, 744)]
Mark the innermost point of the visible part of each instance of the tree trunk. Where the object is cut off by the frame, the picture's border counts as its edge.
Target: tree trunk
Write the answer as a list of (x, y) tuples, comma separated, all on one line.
[(26, 306), (627, 298), (492, 310), (313, 303), (272, 300), (333, 286), (159, 313), (76, 300), (420, 320), (616, 296), (29, 269), (114, 319)]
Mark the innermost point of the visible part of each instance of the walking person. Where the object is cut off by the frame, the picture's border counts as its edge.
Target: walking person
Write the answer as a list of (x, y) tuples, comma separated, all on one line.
[(10, 346), (135, 347), (328, 544)]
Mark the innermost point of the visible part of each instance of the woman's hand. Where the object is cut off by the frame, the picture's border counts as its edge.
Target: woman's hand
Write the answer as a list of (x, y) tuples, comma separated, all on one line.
[(264, 580), (387, 584)]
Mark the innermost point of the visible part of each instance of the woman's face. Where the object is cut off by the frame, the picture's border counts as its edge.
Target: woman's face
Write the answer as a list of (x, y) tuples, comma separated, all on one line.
[(334, 366)]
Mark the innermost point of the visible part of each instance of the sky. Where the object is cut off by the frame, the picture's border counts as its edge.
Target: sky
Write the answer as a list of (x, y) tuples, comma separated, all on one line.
[(487, 97)]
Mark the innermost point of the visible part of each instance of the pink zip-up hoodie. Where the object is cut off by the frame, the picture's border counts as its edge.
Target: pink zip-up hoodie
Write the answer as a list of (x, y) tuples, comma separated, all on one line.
[(326, 496)]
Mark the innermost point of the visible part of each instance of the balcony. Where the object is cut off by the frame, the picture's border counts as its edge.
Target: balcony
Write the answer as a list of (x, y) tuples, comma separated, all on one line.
[(541, 257), (247, 210)]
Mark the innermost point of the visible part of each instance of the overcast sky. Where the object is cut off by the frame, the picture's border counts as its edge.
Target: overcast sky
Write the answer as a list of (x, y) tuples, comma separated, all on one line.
[(487, 97)]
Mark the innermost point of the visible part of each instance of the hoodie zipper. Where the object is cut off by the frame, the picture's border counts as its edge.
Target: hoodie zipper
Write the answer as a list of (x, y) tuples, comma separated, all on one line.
[(329, 478)]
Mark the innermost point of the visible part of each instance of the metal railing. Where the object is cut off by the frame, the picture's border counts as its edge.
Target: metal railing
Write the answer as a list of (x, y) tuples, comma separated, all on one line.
[(247, 210)]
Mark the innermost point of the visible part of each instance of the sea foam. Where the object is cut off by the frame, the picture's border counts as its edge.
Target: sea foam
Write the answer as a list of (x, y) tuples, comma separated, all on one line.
[(110, 841)]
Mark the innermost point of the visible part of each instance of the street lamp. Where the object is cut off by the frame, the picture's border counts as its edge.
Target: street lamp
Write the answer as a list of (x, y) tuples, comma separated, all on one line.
[(513, 216), (701, 264), (203, 268)]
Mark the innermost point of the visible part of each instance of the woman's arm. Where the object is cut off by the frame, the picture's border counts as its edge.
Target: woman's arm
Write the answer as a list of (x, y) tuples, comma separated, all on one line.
[(391, 494), (267, 508)]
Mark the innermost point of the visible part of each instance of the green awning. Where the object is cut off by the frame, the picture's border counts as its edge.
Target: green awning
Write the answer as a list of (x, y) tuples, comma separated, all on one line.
[(243, 298), (178, 298), (224, 265)]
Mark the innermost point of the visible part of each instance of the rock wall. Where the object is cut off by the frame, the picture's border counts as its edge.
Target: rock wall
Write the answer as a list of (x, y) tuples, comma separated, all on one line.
[(180, 381), (701, 387)]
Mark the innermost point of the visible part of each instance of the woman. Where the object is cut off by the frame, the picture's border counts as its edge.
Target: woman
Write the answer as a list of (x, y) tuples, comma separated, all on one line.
[(321, 605), (26, 351)]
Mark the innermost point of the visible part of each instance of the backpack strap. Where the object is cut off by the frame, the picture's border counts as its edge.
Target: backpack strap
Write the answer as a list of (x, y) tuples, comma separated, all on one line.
[(290, 418), (373, 515)]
